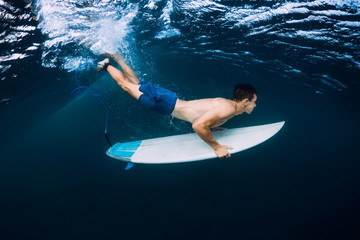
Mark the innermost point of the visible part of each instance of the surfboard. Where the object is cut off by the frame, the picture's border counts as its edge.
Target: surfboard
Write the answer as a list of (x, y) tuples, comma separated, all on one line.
[(189, 147)]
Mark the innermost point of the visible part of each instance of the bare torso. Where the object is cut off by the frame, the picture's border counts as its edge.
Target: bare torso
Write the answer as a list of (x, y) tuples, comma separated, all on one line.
[(192, 110)]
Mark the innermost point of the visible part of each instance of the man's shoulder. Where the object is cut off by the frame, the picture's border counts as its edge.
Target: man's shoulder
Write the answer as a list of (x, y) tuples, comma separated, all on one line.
[(214, 103), (223, 101), (224, 105)]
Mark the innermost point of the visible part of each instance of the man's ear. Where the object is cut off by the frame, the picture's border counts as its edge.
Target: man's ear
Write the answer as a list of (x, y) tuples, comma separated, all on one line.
[(245, 101)]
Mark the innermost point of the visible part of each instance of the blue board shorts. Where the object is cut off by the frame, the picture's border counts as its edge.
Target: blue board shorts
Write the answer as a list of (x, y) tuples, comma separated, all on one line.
[(157, 98)]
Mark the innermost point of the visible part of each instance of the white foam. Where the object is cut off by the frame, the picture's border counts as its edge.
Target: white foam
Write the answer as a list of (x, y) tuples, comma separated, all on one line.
[(14, 56), (72, 63), (199, 7), (249, 17), (152, 4), (167, 30), (331, 13), (99, 26), (168, 33), (24, 28), (349, 24), (32, 48)]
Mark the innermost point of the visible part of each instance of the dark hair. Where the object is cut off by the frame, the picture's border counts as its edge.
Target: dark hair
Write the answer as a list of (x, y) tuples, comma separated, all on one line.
[(242, 91)]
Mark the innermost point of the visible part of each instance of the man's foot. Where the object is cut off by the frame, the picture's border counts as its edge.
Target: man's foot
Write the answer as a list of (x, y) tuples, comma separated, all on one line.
[(103, 64), (114, 56)]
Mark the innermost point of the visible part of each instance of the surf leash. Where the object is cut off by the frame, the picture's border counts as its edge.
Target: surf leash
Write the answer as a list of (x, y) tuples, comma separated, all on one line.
[(95, 93)]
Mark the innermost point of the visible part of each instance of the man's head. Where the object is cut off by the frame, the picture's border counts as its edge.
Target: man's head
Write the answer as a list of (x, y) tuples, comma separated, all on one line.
[(245, 93)]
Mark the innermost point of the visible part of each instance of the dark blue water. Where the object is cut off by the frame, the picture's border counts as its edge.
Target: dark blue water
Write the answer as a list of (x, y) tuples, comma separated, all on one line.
[(56, 181)]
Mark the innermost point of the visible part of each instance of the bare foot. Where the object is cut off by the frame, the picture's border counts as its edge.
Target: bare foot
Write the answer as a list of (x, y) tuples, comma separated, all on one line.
[(102, 64)]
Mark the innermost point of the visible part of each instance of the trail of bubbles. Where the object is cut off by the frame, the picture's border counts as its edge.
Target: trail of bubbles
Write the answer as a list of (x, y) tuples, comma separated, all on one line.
[(82, 29)]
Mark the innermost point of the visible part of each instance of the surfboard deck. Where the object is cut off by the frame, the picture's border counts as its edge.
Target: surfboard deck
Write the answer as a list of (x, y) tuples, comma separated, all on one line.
[(190, 147)]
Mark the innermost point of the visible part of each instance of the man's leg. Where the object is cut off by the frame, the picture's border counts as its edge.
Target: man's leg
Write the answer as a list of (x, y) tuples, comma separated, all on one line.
[(128, 81), (129, 73)]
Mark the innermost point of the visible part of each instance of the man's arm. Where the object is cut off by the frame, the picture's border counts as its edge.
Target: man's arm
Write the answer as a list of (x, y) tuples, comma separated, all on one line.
[(203, 124), (215, 129)]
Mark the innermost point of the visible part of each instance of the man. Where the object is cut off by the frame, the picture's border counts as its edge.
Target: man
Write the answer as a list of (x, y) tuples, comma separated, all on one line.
[(204, 114)]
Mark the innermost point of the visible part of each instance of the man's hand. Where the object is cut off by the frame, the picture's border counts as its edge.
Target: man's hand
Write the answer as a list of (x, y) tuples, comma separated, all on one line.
[(116, 56), (222, 151)]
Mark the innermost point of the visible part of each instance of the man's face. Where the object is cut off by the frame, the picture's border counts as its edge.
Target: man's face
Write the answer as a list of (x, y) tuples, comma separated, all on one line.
[(250, 105)]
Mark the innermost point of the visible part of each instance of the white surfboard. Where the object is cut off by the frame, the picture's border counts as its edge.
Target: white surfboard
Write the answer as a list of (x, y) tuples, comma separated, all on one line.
[(189, 147)]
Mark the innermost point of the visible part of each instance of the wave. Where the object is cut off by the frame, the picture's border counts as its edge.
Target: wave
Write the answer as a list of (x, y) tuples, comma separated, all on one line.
[(289, 36), (20, 43), (17, 28)]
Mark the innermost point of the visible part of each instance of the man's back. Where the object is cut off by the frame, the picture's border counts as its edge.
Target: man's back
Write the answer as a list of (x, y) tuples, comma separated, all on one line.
[(192, 110)]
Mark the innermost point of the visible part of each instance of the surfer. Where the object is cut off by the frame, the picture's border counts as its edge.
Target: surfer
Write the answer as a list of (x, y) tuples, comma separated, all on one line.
[(204, 114)]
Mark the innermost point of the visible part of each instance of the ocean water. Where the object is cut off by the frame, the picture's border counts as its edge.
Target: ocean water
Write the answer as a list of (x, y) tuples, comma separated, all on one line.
[(56, 181)]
